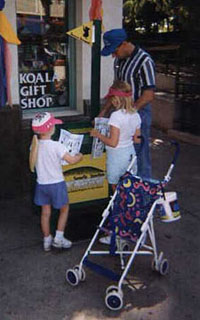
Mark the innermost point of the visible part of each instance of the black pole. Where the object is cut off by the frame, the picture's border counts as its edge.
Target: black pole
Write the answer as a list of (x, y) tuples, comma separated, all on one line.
[(96, 70)]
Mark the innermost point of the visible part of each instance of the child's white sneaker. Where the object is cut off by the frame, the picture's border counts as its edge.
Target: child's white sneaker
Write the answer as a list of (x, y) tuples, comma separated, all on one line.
[(61, 243), (47, 242)]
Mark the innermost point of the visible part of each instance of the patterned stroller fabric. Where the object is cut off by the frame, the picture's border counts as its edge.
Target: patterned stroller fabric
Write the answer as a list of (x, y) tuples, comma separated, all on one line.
[(133, 201)]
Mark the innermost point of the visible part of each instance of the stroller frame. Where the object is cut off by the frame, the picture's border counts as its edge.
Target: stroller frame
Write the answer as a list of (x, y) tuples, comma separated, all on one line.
[(114, 294)]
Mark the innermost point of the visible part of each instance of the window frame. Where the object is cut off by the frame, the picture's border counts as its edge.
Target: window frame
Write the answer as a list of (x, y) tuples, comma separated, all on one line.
[(70, 108)]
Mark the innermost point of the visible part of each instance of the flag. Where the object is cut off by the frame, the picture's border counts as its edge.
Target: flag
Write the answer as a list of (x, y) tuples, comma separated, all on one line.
[(6, 30), (3, 91), (95, 12), (2, 4), (7, 35), (8, 66)]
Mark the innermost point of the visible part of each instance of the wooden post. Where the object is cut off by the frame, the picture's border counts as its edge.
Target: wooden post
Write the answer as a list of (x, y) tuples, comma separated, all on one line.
[(96, 70)]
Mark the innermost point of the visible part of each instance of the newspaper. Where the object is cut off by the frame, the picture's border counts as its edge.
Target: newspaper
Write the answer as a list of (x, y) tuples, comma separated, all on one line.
[(71, 141), (101, 124)]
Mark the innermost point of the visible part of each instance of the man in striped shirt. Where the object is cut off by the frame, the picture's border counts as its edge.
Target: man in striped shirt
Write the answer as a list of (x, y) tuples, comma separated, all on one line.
[(135, 66)]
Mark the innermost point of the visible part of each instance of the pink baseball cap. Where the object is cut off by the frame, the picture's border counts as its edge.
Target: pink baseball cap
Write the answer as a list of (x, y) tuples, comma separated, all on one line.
[(43, 122)]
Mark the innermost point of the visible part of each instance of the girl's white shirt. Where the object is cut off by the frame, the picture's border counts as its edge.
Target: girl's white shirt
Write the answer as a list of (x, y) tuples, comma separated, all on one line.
[(48, 164), (127, 123)]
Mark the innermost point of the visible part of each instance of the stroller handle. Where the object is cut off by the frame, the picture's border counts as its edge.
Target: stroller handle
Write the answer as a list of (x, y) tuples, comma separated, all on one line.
[(177, 151), (176, 154)]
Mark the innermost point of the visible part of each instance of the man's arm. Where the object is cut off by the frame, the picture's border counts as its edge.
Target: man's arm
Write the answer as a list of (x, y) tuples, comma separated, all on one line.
[(146, 97), (137, 136), (147, 74)]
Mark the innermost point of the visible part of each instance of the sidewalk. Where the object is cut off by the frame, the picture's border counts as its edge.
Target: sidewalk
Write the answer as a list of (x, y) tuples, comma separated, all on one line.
[(32, 283)]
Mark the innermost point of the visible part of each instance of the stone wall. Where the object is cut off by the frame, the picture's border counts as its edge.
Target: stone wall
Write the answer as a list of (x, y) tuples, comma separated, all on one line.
[(165, 82), (11, 170), (176, 114), (163, 111)]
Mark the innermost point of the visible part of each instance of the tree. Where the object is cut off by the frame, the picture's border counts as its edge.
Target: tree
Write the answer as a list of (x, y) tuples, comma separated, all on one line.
[(152, 15), (146, 14)]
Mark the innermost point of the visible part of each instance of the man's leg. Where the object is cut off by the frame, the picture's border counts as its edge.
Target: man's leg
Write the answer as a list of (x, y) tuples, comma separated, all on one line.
[(144, 157)]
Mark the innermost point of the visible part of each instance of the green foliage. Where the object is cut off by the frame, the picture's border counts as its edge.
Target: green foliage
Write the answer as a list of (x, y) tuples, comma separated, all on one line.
[(162, 15)]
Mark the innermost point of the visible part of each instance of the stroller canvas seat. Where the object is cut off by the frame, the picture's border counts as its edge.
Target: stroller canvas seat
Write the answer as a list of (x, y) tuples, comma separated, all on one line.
[(134, 198)]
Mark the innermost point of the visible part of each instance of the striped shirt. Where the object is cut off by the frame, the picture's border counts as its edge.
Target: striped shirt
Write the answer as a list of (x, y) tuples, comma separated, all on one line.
[(138, 70)]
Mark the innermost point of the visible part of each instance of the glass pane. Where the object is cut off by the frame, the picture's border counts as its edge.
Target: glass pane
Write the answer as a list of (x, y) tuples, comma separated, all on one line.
[(43, 53)]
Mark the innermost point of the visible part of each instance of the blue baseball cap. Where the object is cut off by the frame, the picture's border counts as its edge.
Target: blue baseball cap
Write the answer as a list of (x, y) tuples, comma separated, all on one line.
[(112, 39)]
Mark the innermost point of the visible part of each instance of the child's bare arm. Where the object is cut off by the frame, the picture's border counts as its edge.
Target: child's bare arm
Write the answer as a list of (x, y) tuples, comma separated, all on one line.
[(110, 141), (137, 136), (73, 159)]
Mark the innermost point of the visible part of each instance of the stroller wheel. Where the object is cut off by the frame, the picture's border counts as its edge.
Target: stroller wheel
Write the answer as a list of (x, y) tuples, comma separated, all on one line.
[(114, 300), (164, 267), (111, 289), (72, 277), (81, 273)]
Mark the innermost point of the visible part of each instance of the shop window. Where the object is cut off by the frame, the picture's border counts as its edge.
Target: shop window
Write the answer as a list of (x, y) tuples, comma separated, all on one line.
[(43, 54)]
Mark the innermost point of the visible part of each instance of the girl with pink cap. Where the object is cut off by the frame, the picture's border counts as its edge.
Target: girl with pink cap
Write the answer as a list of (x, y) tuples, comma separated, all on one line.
[(124, 126), (51, 190)]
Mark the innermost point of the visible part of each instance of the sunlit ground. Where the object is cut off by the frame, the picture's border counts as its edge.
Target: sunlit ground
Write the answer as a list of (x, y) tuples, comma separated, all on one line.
[(152, 313), (159, 308)]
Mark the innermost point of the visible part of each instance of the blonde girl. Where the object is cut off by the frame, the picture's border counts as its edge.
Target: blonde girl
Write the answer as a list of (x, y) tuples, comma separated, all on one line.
[(51, 191), (124, 124)]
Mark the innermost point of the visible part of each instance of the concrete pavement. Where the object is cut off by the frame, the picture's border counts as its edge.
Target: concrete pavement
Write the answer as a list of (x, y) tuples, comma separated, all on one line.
[(32, 283)]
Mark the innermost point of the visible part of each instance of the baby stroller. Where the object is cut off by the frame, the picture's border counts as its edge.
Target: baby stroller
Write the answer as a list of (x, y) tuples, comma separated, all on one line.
[(128, 219)]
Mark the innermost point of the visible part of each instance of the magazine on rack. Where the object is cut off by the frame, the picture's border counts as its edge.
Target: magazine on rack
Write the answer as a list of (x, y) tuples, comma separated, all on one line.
[(71, 141), (101, 124)]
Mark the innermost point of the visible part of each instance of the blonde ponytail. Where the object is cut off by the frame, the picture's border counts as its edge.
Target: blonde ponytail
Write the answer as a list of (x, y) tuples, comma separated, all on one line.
[(33, 153)]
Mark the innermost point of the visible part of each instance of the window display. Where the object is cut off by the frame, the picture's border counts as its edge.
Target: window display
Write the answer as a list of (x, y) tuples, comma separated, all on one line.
[(43, 53)]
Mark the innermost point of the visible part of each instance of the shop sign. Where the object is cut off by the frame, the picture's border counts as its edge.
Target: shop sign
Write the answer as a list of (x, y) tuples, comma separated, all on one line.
[(36, 89), (83, 33)]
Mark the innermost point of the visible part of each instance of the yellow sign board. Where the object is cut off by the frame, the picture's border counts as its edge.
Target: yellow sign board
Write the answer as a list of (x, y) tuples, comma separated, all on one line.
[(86, 180), (83, 33)]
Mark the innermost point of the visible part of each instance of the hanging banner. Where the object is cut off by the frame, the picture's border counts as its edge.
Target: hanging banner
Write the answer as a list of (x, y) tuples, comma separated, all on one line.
[(6, 30), (83, 33)]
